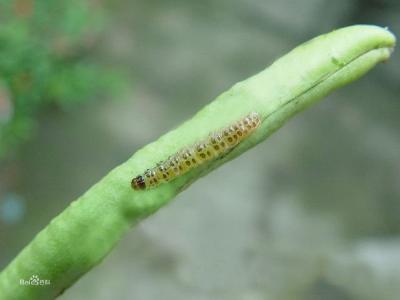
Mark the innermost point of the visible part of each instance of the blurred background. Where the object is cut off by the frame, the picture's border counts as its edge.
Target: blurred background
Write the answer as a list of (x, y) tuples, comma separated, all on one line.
[(313, 213)]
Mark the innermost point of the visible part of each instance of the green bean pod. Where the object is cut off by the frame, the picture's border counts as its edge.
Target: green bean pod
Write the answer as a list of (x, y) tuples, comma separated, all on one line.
[(82, 235)]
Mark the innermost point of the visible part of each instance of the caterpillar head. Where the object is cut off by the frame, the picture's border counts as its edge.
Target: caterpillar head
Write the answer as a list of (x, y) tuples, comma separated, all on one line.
[(138, 183)]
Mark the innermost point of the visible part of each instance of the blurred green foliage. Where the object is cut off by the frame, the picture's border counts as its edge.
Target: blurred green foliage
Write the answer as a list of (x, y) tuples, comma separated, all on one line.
[(46, 59)]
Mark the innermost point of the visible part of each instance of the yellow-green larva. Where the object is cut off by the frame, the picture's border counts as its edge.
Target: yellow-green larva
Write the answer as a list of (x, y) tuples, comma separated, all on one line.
[(214, 146)]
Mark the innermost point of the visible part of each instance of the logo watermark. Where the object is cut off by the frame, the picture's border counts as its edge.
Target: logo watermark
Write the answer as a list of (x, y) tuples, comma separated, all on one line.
[(34, 280)]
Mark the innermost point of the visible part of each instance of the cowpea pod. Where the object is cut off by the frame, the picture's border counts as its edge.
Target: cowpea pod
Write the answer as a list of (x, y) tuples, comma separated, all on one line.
[(81, 236)]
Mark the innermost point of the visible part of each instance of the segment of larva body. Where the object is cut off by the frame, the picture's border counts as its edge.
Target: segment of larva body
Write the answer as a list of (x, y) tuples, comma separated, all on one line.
[(213, 147)]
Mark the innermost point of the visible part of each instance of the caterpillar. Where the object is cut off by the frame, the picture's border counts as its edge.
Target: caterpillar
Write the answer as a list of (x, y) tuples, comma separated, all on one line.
[(213, 147)]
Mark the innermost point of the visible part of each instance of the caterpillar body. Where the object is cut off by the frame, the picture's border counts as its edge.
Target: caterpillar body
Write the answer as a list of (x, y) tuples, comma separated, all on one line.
[(216, 145)]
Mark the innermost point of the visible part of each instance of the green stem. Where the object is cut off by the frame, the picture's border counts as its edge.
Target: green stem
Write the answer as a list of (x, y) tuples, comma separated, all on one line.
[(82, 235)]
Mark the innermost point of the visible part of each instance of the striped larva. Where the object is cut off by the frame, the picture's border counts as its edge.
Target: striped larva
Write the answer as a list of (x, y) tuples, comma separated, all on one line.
[(214, 146)]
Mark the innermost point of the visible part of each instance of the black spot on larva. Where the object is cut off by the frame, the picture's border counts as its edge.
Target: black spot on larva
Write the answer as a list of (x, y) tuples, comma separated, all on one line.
[(216, 147), (187, 163), (202, 155), (230, 140)]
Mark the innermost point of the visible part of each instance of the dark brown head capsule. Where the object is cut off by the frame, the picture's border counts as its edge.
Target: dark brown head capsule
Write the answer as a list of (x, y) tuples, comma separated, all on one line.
[(138, 183)]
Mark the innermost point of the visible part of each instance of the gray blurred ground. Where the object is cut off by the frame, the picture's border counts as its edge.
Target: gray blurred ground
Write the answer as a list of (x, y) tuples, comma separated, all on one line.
[(313, 213)]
